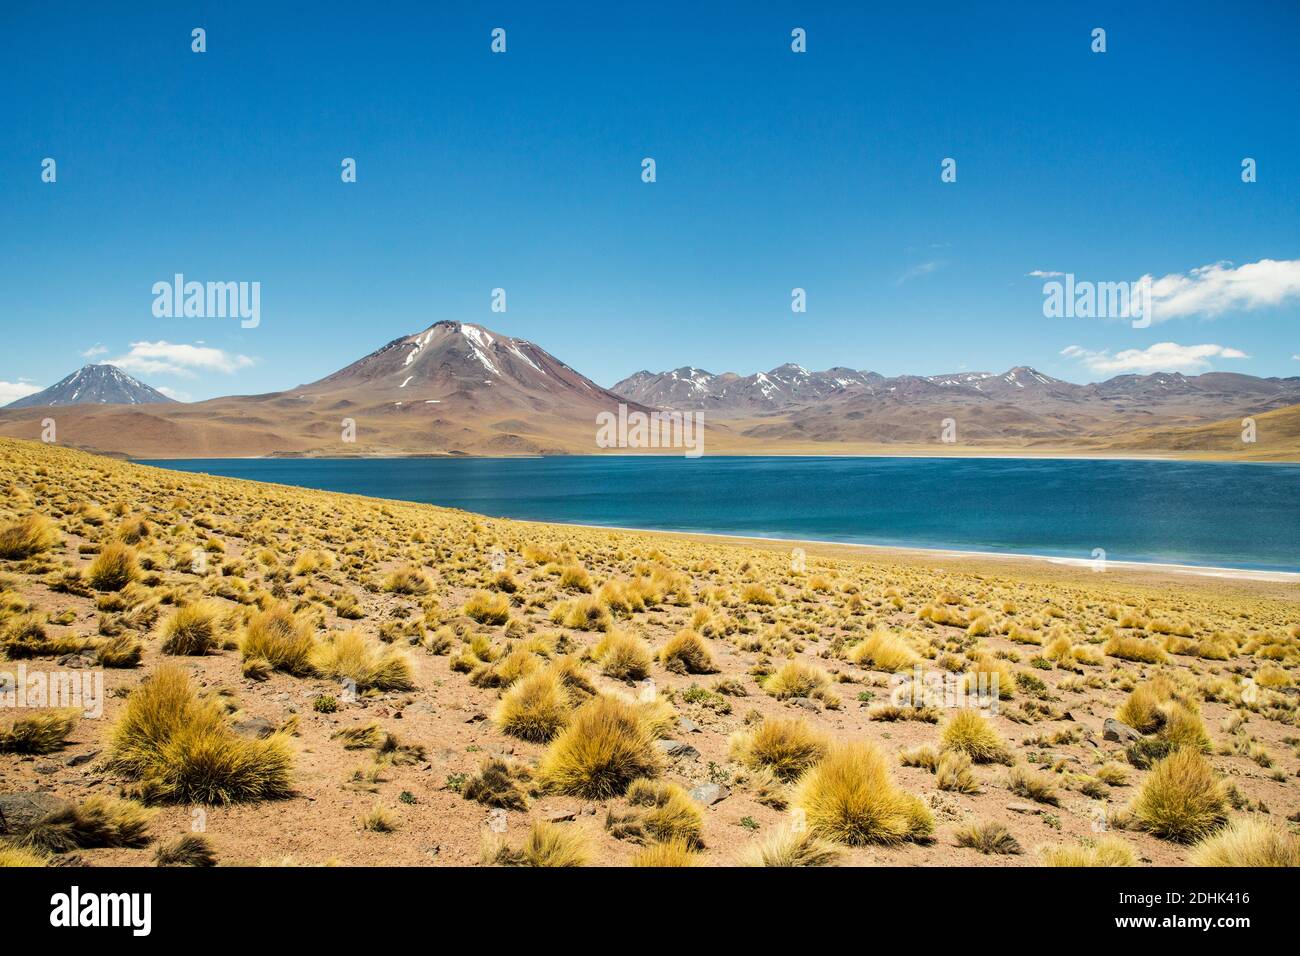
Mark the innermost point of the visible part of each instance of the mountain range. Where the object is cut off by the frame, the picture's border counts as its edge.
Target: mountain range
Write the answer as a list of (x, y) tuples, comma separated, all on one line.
[(457, 388)]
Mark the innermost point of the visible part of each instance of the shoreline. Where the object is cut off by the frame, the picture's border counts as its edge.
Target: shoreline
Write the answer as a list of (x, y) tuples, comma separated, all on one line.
[(1211, 571)]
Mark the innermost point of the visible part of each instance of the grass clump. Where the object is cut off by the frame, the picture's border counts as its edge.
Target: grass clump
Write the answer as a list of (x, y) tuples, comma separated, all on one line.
[(39, 733), (885, 651), (988, 838), (96, 822), (179, 748), (661, 812), (499, 783), (535, 708), (787, 747), (849, 797), (604, 748), (192, 630), (547, 844), (623, 656), (350, 656), (667, 855), (1182, 799), (192, 849), (280, 639), (487, 607), (113, 568), (974, 735), (1108, 851), (1248, 841), (27, 538), (790, 846), (687, 653)]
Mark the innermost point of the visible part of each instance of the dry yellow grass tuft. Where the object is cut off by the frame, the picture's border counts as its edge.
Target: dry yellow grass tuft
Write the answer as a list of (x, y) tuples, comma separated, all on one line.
[(1108, 851), (350, 656), (969, 732), (849, 797), (535, 708), (787, 747), (1182, 799), (605, 747), (1248, 841), (687, 653), (281, 639), (27, 538), (178, 748)]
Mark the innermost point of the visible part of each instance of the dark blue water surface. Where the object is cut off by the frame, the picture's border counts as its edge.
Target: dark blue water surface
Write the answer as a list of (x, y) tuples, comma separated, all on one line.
[(1226, 514)]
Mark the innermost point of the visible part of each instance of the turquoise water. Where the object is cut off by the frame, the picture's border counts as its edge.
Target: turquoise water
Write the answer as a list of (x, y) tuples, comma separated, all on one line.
[(1224, 514)]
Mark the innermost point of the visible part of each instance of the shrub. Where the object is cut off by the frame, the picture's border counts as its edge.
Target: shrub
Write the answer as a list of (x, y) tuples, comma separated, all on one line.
[(687, 653), (38, 733), (350, 656), (1182, 799), (113, 568), (535, 708), (29, 537), (179, 748), (487, 607), (974, 735), (279, 638), (1248, 841), (605, 747), (786, 747), (849, 797), (584, 614), (191, 630), (788, 846)]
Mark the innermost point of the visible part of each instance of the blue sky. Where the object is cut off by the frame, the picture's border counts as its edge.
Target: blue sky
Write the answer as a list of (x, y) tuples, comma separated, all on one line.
[(522, 171)]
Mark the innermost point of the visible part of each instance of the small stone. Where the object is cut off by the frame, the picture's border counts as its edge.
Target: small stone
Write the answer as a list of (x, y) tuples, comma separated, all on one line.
[(47, 768), (475, 718), (76, 760), (675, 748), (1023, 808), (560, 816), (689, 726), (19, 810), (1120, 732), (806, 703), (254, 728), (709, 793)]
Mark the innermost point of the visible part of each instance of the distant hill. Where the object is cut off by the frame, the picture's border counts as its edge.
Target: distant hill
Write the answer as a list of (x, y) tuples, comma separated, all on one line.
[(95, 385)]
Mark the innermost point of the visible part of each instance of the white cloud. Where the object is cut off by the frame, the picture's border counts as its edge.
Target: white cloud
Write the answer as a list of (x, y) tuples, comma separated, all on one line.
[(168, 358), (12, 391), (1045, 273), (173, 393), (1214, 289), (96, 349), (923, 269), (1161, 357)]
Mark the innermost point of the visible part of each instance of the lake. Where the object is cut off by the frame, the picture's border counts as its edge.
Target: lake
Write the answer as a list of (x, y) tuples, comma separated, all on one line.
[(1224, 514)]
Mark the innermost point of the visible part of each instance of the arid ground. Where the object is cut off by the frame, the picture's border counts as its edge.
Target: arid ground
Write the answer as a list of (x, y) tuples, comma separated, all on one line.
[(297, 677)]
